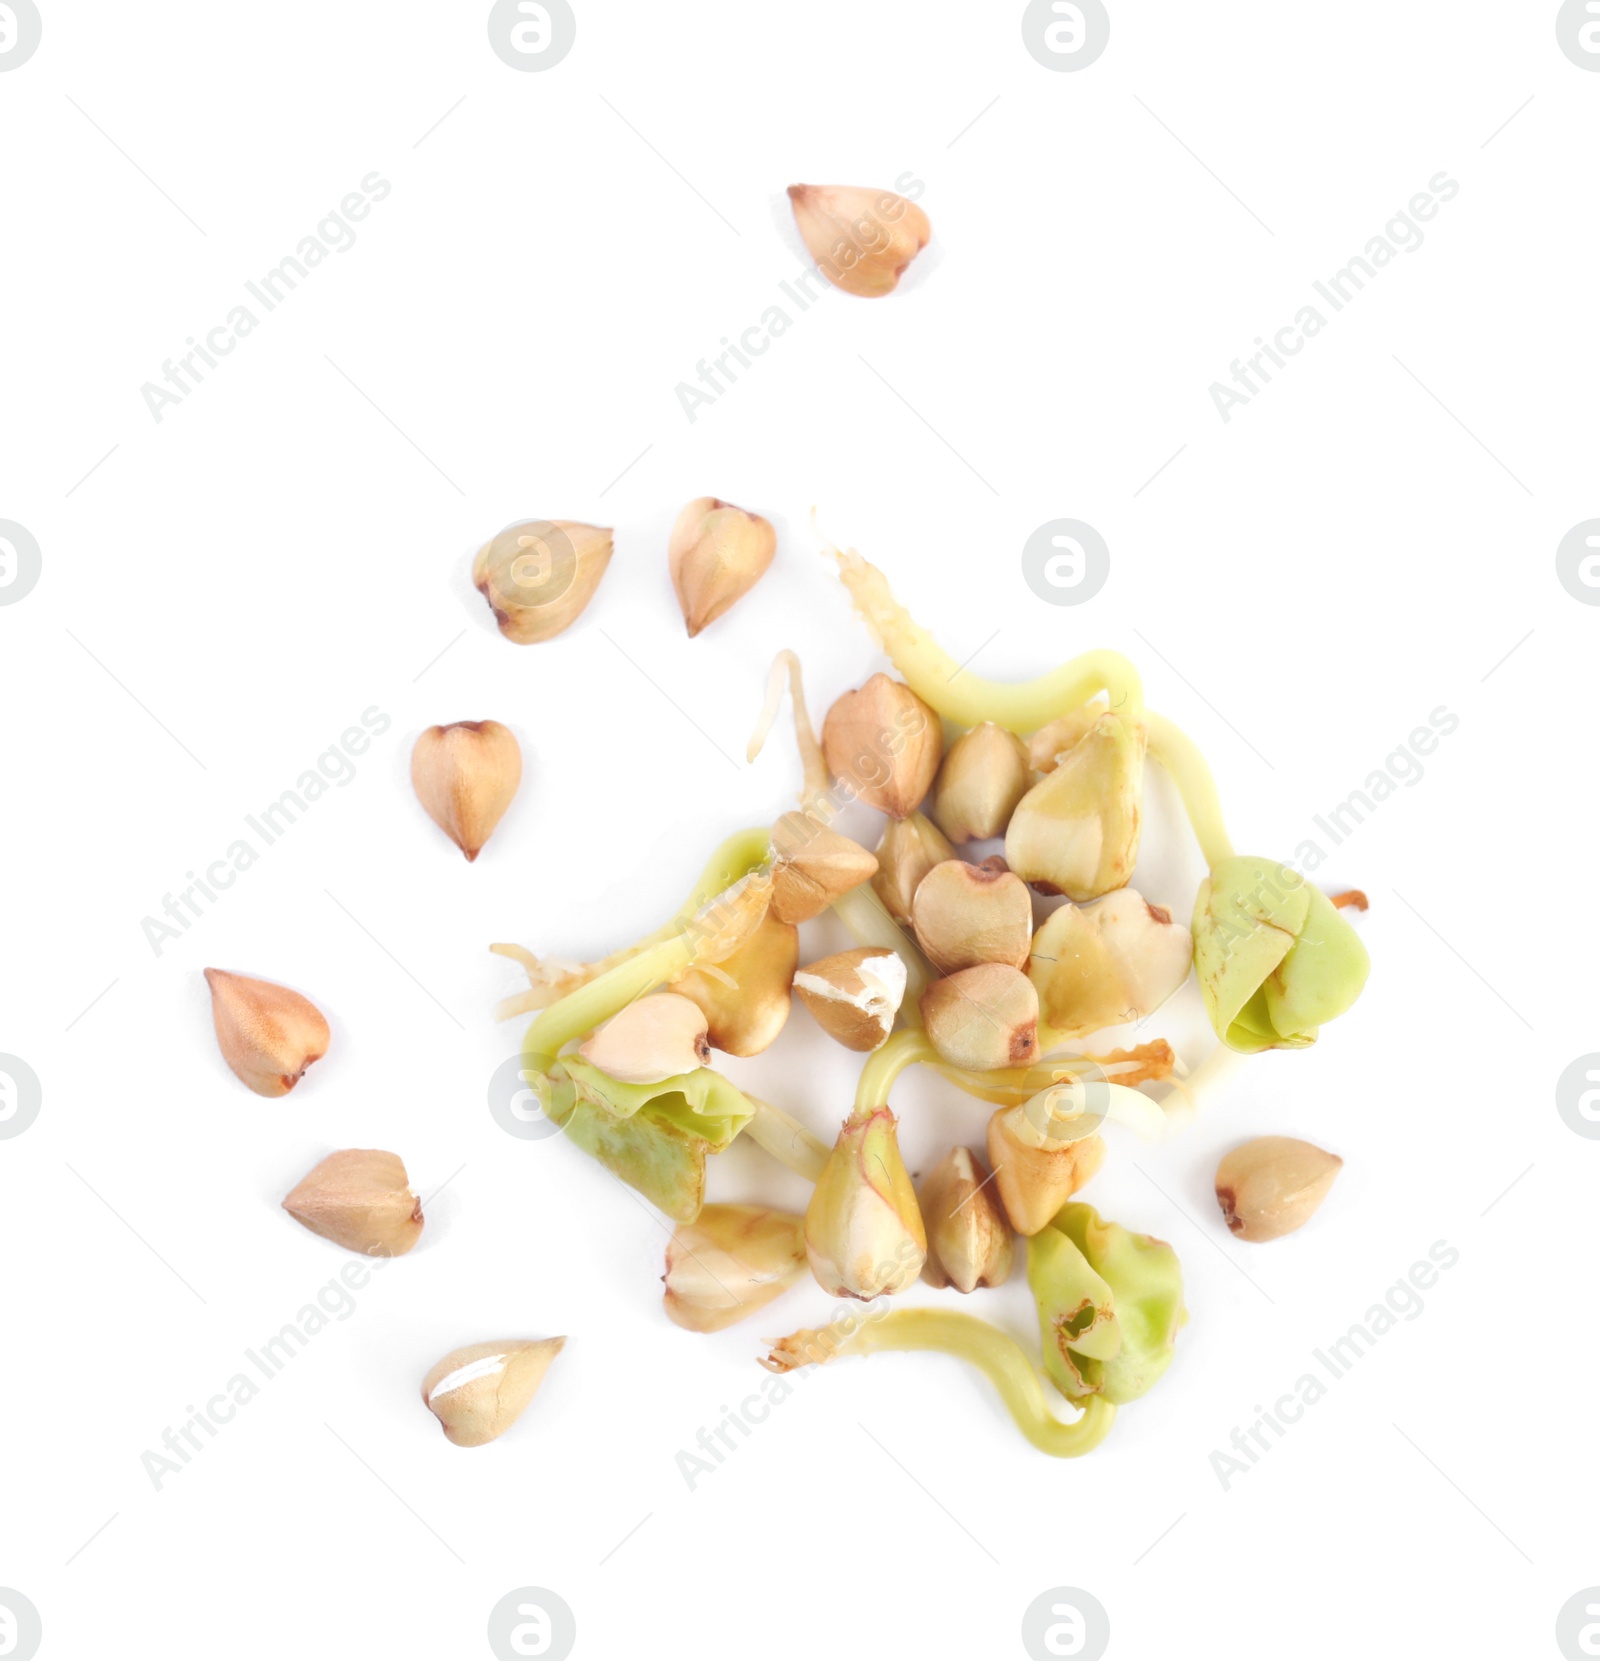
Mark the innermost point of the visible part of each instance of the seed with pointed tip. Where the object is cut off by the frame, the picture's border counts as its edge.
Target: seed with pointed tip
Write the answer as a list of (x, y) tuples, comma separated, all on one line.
[(1076, 832), (729, 1262), (812, 867), (1115, 959), (984, 775), (1272, 1186), (653, 1039), (728, 919), (479, 1391), (909, 850), (745, 997), (465, 776), (885, 743), (268, 1034), (983, 1018), (864, 1234), (969, 1240), (1052, 741), (361, 1199), (717, 553), (854, 995), (539, 575), (968, 914), (1036, 1172), (862, 239)]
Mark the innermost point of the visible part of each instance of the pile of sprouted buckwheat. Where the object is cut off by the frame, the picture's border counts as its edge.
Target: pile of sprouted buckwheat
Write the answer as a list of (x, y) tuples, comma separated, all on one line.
[(971, 969)]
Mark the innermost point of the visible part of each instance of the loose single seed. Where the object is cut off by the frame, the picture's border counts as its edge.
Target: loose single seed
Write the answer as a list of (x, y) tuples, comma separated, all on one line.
[(479, 1391), (1273, 1185), (361, 1199), (268, 1034), (465, 776), (861, 239), (716, 555), (540, 574)]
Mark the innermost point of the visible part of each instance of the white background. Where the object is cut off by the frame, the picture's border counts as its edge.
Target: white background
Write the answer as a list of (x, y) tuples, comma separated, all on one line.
[(230, 588)]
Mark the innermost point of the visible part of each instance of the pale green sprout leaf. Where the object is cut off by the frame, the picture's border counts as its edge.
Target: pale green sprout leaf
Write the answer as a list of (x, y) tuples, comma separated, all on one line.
[(1274, 957), (1110, 1304)]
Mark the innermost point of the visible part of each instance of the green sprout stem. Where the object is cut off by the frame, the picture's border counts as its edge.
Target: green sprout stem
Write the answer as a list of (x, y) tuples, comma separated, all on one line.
[(736, 858), (787, 1140), (969, 699), (659, 957), (1180, 756), (904, 1049), (1006, 1086), (1012, 1086), (593, 1005), (1186, 1098), (997, 1357), (1026, 706)]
